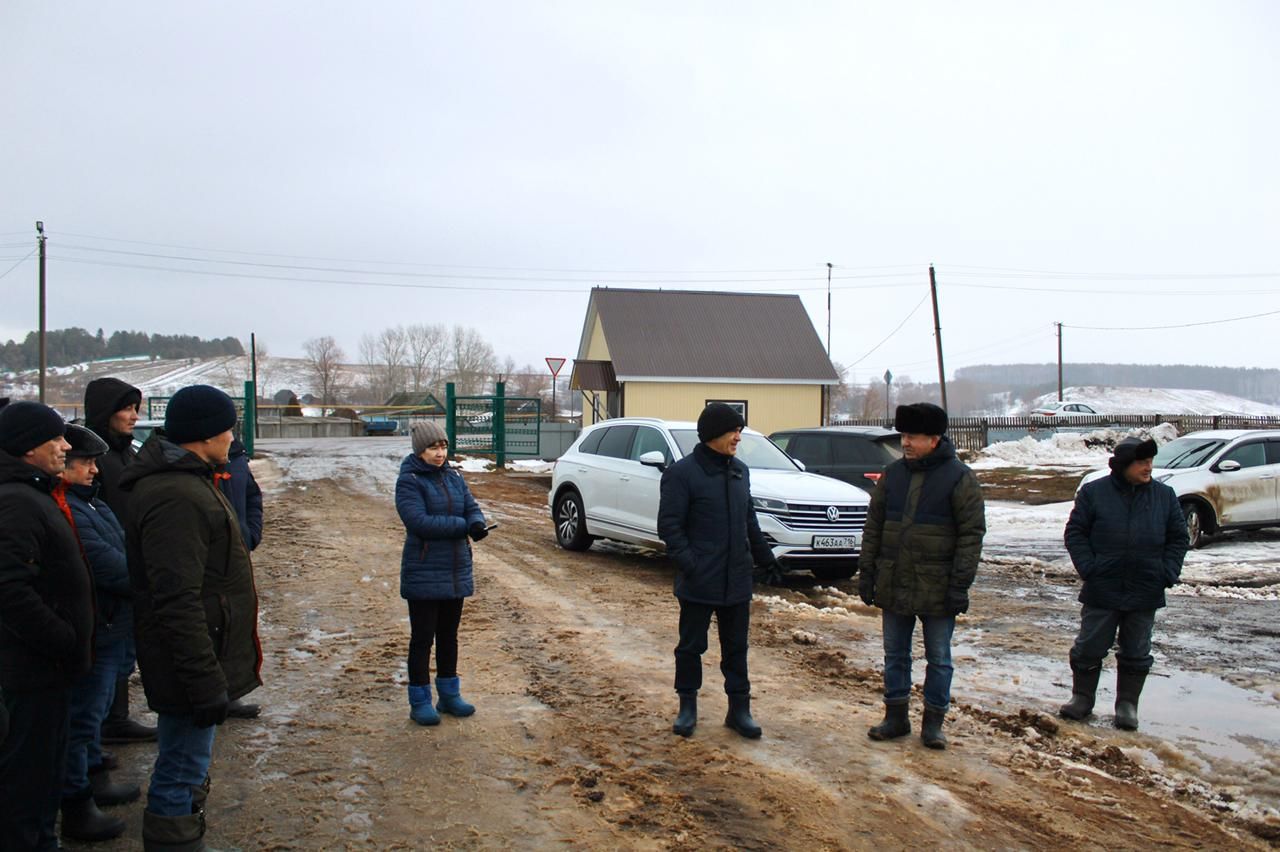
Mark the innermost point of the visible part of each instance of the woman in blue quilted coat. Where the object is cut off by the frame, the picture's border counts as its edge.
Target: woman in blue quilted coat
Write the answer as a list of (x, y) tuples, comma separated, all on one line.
[(441, 519)]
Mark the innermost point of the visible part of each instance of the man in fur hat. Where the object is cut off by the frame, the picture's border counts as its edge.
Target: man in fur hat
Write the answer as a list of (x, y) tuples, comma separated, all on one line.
[(1127, 537), (920, 553)]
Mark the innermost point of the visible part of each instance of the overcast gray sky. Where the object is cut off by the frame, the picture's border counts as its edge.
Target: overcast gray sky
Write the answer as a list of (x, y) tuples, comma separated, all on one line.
[(1112, 164)]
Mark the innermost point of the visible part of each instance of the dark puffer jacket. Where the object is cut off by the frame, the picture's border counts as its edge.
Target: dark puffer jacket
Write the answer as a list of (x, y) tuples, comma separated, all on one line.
[(103, 540), (1127, 543), (437, 509), (195, 605), (102, 399), (244, 495), (709, 526), (924, 535), (46, 591)]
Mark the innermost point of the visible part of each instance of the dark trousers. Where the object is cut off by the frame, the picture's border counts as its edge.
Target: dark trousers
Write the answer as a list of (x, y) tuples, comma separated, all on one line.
[(732, 623), (1098, 628), (32, 760), (91, 697), (433, 622)]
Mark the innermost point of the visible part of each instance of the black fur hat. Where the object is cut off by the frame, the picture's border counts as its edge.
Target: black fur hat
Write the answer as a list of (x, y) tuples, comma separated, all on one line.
[(1131, 450), (920, 418)]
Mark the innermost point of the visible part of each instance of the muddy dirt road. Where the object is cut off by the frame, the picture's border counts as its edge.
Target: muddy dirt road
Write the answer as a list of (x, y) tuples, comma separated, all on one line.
[(568, 659)]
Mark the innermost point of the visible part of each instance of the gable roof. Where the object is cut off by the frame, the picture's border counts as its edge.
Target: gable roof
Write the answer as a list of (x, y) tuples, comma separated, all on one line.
[(704, 335)]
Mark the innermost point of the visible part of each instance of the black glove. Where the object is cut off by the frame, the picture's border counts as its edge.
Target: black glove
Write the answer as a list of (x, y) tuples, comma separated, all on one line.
[(957, 601), (867, 588), (213, 713), (477, 531), (769, 574)]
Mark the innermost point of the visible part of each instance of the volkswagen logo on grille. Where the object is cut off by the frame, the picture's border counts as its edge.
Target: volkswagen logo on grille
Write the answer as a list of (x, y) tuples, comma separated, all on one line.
[(833, 514)]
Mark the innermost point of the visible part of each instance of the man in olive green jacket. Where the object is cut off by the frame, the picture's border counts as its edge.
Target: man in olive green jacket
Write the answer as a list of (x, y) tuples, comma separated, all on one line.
[(920, 553)]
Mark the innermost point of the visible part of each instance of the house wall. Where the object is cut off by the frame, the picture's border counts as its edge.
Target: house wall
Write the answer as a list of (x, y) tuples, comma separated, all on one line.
[(597, 350), (769, 407)]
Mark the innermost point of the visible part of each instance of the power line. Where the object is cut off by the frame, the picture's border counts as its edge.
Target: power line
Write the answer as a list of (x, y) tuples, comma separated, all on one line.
[(1163, 327), (19, 263), (1002, 272), (892, 333)]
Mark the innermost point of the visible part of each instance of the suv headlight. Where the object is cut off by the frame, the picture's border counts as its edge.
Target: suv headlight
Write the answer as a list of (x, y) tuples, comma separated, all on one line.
[(768, 504)]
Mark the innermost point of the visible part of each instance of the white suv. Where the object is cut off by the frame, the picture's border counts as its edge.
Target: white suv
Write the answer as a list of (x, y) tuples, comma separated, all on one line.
[(606, 486), (1225, 479)]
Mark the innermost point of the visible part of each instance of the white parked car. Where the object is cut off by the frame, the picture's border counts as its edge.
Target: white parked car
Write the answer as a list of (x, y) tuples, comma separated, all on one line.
[(606, 486), (1064, 409), (1226, 479)]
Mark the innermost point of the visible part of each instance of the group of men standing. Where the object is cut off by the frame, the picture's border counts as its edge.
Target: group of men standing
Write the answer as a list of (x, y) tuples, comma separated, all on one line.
[(105, 553)]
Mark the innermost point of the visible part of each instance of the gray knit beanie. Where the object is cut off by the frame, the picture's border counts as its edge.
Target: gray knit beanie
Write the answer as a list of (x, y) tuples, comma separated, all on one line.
[(425, 434)]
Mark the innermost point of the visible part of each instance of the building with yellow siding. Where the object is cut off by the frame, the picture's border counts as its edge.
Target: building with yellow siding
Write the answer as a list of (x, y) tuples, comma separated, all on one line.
[(667, 353)]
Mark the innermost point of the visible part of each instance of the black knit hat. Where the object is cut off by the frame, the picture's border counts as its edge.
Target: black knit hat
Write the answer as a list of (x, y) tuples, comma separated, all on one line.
[(717, 419), (198, 412), (1131, 450), (920, 418), (84, 443), (26, 425)]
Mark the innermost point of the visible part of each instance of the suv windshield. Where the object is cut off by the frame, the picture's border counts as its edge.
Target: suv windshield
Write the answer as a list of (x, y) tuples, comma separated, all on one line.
[(1186, 452), (756, 451)]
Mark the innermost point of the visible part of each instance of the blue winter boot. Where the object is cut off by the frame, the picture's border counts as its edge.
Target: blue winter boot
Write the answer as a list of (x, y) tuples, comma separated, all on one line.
[(420, 709), (451, 698)]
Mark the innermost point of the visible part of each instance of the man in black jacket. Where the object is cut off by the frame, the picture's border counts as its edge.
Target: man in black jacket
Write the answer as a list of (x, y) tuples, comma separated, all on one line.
[(1127, 537), (707, 521), (111, 410), (46, 623)]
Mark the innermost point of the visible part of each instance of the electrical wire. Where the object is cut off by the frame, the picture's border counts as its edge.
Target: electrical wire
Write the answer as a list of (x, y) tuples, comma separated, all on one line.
[(19, 263), (896, 329), (1002, 272), (1164, 327)]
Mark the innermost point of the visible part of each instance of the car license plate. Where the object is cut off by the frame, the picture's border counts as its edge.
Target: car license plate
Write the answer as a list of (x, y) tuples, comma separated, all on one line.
[(835, 542)]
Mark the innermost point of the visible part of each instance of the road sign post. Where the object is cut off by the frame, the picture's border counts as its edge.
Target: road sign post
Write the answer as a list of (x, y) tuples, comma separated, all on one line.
[(554, 364)]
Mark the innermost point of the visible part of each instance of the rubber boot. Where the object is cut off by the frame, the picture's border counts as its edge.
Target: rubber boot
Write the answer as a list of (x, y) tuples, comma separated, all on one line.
[(1128, 688), (240, 710), (739, 717), (107, 792), (450, 689), (931, 728), (172, 833), (1084, 687), (118, 728), (896, 723), (687, 718), (420, 709), (81, 820), (200, 795)]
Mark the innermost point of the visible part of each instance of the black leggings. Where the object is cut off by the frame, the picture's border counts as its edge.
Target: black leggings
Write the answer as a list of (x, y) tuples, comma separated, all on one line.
[(433, 621)]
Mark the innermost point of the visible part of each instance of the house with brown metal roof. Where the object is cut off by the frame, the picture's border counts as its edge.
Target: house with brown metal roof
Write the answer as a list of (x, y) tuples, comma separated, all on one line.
[(667, 353)]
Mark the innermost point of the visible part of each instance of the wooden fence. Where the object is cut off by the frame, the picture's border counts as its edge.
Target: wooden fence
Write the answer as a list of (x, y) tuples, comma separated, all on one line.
[(974, 433)]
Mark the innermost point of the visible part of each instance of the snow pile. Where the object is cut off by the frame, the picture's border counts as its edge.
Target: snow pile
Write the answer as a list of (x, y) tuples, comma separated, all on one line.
[(531, 466), (1066, 449), (1108, 400)]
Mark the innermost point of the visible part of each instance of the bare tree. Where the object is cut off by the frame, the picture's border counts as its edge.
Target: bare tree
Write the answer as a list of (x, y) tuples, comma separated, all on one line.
[(386, 354), (873, 401), (427, 355), (265, 370), (324, 356), (471, 360)]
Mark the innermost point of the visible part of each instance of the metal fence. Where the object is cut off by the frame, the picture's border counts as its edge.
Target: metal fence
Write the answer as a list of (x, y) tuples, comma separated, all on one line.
[(974, 433)]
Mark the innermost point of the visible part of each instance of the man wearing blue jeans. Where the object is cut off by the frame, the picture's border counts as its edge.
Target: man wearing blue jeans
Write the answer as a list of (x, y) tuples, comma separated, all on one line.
[(195, 606), (920, 553)]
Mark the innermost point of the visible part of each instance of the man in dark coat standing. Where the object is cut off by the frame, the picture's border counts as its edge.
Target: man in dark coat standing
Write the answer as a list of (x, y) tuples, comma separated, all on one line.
[(1127, 537), (707, 521), (195, 605), (920, 553), (111, 411), (46, 623)]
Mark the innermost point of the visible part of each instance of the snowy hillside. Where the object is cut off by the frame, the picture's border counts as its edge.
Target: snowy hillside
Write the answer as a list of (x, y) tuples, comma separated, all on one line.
[(1108, 400)]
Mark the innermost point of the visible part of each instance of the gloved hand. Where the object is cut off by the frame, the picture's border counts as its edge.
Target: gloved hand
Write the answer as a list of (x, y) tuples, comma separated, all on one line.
[(957, 601), (769, 574), (213, 713), (477, 531), (867, 587)]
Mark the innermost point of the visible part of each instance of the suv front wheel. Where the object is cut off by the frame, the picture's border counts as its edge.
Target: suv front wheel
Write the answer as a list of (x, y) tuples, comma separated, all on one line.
[(571, 522), (1197, 524)]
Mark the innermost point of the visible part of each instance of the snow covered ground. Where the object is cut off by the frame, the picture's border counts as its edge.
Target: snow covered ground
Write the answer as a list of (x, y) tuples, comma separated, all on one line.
[(1111, 400), (1085, 450)]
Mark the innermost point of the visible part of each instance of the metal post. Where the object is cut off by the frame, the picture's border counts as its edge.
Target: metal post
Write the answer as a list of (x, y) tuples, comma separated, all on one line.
[(1059, 325), (888, 377), (253, 375), (450, 414), (500, 423), (40, 240), (937, 333), (250, 416)]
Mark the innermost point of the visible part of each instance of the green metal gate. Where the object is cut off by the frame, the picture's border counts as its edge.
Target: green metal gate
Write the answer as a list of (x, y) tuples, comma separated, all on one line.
[(493, 425)]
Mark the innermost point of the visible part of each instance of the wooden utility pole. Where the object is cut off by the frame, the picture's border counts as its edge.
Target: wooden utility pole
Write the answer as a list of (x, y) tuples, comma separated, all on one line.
[(40, 238), (937, 335), (1059, 325), (826, 403)]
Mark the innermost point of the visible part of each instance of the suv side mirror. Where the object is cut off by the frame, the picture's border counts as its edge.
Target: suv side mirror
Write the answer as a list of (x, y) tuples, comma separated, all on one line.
[(654, 458), (1228, 465)]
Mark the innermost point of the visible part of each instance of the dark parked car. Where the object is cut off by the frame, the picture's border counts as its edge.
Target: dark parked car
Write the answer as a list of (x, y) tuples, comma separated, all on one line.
[(854, 454)]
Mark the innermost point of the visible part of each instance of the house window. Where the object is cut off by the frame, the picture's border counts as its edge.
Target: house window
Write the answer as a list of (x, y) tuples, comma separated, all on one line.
[(738, 405)]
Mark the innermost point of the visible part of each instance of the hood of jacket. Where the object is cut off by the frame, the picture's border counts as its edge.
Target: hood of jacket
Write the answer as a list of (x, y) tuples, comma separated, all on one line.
[(159, 455), (104, 397)]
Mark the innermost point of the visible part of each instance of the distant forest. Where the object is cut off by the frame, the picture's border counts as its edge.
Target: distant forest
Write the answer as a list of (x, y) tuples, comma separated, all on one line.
[(1254, 383), (76, 345)]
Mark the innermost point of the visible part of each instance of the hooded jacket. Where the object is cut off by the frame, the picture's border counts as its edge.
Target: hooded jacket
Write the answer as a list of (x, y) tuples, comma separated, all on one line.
[(102, 399), (709, 526), (437, 509), (195, 605), (244, 495), (46, 592), (924, 533)]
